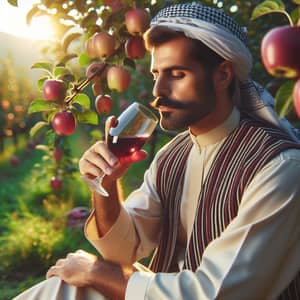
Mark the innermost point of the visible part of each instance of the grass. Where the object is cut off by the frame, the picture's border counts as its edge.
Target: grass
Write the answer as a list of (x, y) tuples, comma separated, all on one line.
[(33, 228)]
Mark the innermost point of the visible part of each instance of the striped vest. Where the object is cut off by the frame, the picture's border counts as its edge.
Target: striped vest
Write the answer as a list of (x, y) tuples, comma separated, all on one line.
[(243, 153)]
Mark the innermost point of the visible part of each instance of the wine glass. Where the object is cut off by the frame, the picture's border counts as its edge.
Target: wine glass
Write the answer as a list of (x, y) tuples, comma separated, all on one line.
[(134, 126)]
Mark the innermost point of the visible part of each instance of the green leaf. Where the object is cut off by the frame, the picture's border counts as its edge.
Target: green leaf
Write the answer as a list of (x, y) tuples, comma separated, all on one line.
[(40, 82), (68, 39), (88, 117), (84, 60), (13, 2), (39, 105), (43, 65), (296, 1), (37, 127), (268, 6), (58, 72), (284, 99), (83, 100)]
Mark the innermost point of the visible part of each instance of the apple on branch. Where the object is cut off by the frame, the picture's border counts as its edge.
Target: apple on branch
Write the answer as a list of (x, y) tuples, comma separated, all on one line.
[(89, 48), (58, 154), (103, 45), (115, 5), (103, 104), (54, 89), (56, 183), (118, 78), (280, 50), (63, 123), (5, 104), (135, 47), (97, 88), (137, 21)]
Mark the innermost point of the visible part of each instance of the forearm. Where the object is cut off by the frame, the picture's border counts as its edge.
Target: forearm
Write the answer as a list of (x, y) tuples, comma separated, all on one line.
[(109, 279), (106, 209)]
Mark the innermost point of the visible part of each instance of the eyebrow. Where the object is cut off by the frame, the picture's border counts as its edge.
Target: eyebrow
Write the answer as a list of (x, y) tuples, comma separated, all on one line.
[(171, 69)]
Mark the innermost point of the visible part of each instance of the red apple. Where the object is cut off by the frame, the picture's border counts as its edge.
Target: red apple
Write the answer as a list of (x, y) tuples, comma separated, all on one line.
[(97, 88), (280, 50), (137, 21), (89, 48), (134, 47), (103, 104), (54, 89), (115, 5), (118, 78), (5, 104), (14, 161), (58, 154), (103, 44), (296, 97), (56, 183), (63, 123)]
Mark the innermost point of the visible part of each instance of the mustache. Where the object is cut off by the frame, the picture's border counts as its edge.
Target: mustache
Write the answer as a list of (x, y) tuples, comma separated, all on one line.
[(159, 101)]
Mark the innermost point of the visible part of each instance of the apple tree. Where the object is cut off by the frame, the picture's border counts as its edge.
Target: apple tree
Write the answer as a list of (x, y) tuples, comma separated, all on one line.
[(280, 48)]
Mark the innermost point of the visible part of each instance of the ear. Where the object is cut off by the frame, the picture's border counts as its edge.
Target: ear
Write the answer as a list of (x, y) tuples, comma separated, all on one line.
[(223, 76)]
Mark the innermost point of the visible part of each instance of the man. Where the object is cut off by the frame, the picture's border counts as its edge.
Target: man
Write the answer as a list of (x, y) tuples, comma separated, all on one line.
[(219, 203)]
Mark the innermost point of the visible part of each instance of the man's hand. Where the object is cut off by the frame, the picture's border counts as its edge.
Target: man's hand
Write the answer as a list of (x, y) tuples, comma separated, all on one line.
[(98, 158), (75, 268), (82, 269)]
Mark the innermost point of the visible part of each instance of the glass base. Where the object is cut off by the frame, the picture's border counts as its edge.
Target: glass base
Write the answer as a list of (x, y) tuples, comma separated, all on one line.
[(95, 184)]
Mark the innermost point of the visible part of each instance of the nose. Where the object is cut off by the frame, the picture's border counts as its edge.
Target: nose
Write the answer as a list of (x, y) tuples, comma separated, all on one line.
[(161, 87)]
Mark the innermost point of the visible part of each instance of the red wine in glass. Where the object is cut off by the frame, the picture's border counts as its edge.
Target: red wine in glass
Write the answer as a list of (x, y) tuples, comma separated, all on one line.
[(124, 146)]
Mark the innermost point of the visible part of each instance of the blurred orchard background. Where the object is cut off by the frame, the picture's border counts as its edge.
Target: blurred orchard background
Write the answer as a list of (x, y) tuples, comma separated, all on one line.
[(64, 67)]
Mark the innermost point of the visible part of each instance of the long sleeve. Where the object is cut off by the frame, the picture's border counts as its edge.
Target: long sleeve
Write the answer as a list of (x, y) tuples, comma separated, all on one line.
[(255, 257), (137, 228)]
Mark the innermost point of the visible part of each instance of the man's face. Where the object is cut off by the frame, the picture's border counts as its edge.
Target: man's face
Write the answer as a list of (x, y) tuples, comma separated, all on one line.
[(184, 91)]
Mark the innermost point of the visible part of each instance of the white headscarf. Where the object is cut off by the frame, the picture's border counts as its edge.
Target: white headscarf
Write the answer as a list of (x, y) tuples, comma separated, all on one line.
[(250, 96)]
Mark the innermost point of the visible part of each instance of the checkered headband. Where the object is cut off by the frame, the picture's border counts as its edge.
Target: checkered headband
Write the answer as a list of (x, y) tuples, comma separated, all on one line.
[(212, 27), (208, 14)]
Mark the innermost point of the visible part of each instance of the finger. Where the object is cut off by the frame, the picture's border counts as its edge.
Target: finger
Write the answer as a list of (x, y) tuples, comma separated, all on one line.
[(53, 271), (88, 169), (106, 154), (71, 254), (111, 121), (97, 161), (60, 262)]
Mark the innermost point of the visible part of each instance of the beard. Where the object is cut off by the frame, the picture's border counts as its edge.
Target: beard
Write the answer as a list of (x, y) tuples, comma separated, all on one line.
[(185, 112)]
